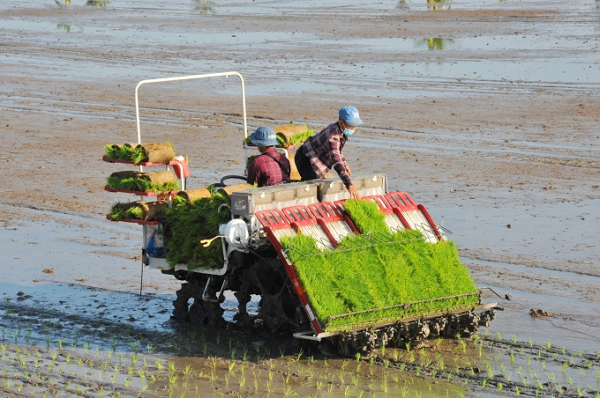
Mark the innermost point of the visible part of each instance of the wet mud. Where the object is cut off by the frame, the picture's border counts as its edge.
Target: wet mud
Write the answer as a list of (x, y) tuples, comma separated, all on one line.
[(485, 112)]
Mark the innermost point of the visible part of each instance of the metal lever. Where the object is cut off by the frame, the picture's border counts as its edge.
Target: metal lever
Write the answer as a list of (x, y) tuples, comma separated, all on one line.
[(207, 242), (206, 297)]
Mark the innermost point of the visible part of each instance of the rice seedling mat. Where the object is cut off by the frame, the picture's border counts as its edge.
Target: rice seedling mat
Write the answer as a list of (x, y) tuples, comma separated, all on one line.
[(144, 164), (334, 222), (133, 221), (288, 136), (413, 216), (382, 276), (140, 193), (394, 219), (139, 152)]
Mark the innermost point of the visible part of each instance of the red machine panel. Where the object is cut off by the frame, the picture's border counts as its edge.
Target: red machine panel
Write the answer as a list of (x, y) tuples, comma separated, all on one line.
[(334, 222), (299, 215), (326, 211), (415, 216), (401, 200), (274, 219)]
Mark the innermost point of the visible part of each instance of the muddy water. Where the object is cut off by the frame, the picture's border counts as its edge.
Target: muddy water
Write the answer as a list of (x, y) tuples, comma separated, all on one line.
[(485, 111)]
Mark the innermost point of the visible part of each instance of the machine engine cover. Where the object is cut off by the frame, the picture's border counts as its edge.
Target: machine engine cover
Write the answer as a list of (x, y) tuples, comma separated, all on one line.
[(235, 233)]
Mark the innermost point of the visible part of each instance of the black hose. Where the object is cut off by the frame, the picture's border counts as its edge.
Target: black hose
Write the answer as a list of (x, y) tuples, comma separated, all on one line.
[(231, 176)]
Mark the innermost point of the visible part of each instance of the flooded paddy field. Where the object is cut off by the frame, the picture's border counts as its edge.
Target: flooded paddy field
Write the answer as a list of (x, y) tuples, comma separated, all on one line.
[(486, 112)]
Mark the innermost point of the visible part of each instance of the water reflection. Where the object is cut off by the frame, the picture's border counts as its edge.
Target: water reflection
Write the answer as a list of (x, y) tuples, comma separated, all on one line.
[(402, 4), (65, 26), (93, 3), (433, 43), (435, 5), (204, 6)]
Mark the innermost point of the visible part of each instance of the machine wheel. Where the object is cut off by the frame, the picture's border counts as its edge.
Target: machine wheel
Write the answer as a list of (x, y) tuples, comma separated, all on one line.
[(200, 312), (205, 313), (277, 310), (181, 310), (277, 307)]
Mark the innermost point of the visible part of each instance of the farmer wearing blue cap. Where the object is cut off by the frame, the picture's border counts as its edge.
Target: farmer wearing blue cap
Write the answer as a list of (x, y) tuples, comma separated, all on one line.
[(270, 167), (323, 151)]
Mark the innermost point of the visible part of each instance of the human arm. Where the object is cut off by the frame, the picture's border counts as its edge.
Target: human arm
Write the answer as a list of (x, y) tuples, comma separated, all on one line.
[(353, 192), (338, 160)]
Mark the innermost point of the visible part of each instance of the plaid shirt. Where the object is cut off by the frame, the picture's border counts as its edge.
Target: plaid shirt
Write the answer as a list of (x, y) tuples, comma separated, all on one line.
[(325, 152), (266, 171)]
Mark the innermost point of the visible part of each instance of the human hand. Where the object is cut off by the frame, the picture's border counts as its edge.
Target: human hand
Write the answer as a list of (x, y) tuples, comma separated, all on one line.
[(348, 169), (353, 192)]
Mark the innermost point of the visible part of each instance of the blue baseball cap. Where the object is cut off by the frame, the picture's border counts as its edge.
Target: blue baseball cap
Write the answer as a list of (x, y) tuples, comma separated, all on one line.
[(264, 136), (349, 114)]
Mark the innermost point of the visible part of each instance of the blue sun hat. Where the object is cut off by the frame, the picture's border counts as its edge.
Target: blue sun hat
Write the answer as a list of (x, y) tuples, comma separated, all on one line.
[(349, 114), (264, 136)]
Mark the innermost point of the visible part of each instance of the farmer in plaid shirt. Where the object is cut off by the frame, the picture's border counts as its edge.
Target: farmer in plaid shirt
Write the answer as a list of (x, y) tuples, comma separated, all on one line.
[(270, 167), (323, 151)]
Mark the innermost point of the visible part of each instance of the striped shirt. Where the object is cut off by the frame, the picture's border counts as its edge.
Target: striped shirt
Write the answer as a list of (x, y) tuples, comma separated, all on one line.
[(265, 171), (325, 152)]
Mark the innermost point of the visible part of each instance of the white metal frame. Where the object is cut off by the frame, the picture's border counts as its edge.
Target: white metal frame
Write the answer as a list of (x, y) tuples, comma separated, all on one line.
[(222, 270), (191, 77)]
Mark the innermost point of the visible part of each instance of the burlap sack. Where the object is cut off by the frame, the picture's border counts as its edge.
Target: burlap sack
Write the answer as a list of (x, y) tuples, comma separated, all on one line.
[(158, 153), (159, 177), (191, 195), (153, 209), (234, 188), (286, 132)]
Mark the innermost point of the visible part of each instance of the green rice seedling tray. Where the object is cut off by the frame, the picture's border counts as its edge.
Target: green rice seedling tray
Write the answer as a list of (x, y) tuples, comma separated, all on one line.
[(133, 221), (374, 278), (144, 164), (141, 193)]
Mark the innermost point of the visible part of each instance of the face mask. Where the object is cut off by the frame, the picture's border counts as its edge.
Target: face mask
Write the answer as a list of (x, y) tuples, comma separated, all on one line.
[(348, 132)]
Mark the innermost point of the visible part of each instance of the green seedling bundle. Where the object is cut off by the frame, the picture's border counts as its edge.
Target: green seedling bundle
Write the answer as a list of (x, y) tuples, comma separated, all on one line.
[(379, 269), (163, 181), (124, 152), (290, 135), (296, 139), (137, 153), (280, 141), (140, 210), (186, 224), (119, 211)]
